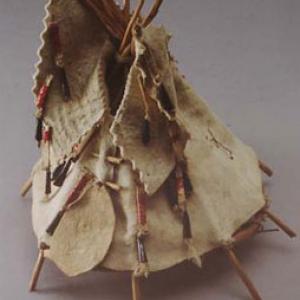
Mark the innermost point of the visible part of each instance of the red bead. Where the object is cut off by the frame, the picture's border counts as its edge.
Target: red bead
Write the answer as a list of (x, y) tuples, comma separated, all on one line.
[(47, 136), (43, 93), (41, 99)]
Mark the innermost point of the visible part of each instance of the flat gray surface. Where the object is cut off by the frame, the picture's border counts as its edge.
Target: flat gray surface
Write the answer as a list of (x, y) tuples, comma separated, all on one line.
[(241, 55)]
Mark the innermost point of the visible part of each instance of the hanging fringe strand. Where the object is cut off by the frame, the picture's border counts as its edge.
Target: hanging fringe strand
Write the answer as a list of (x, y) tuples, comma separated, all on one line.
[(58, 170), (48, 188), (146, 132), (187, 230), (146, 128), (39, 130), (54, 224), (40, 106), (142, 269), (47, 137), (165, 101), (188, 187), (171, 191), (60, 179)]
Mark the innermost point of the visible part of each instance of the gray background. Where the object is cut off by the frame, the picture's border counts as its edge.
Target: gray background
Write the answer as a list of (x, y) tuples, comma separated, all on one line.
[(241, 55)]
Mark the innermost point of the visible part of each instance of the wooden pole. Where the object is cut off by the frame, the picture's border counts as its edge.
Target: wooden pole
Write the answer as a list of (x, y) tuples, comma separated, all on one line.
[(110, 24), (136, 288), (265, 168), (126, 8), (127, 35), (115, 13), (247, 233), (38, 268), (252, 229), (153, 12), (114, 160), (26, 187), (284, 227), (127, 50), (243, 275)]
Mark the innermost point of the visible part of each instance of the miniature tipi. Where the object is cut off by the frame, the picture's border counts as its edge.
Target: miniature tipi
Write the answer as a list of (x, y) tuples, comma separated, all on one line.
[(136, 173)]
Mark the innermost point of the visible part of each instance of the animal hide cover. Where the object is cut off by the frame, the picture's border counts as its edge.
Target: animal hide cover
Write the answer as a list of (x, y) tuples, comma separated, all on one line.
[(100, 230)]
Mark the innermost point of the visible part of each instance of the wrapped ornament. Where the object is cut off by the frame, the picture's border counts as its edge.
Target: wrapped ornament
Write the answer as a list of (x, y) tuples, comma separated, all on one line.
[(140, 174)]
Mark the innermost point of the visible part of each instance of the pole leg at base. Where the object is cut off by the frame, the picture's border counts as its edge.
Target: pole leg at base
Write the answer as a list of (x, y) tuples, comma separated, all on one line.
[(284, 227), (136, 288), (37, 270), (243, 275)]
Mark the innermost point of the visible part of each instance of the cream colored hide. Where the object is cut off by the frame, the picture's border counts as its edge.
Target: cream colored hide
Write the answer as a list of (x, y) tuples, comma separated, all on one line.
[(86, 48), (100, 231)]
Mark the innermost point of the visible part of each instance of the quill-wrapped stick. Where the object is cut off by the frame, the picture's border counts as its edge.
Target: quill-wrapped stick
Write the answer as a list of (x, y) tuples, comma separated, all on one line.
[(41, 106), (74, 197), (60, 179), (141, 199), (142, 268)]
